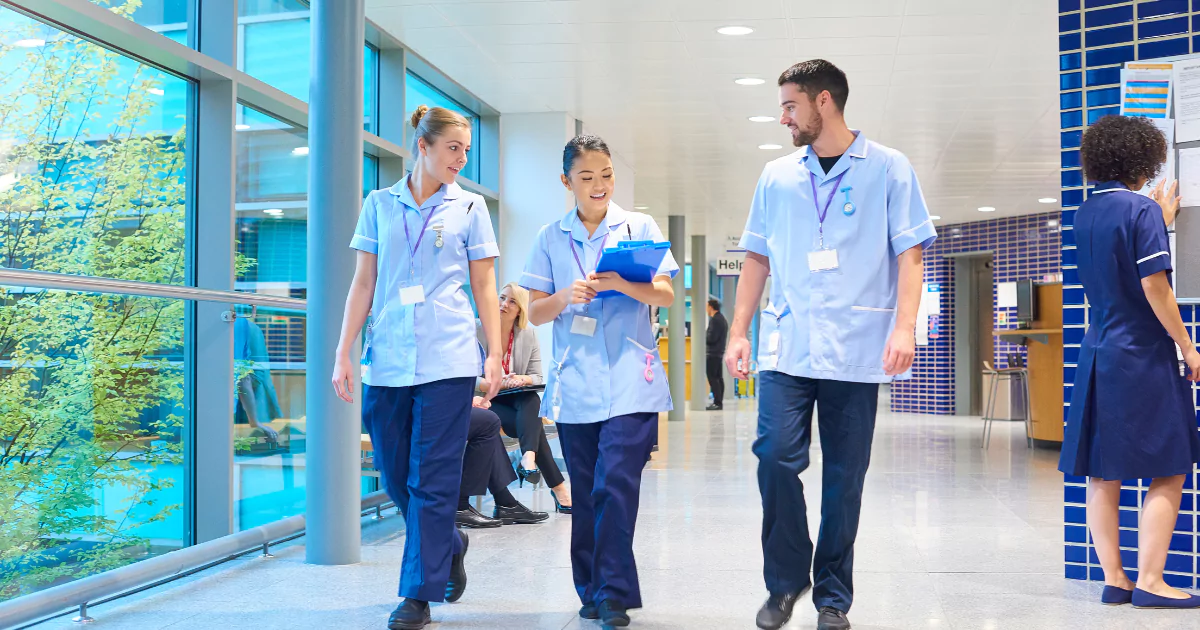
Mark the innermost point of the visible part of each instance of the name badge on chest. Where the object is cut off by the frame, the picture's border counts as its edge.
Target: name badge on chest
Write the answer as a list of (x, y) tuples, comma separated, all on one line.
[(583, 325), (823, 260), (412, 295)]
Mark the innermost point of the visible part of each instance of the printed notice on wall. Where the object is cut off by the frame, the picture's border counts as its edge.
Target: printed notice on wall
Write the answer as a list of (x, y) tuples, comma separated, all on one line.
[(1187, 100), (1146, 93), (1189, 178)]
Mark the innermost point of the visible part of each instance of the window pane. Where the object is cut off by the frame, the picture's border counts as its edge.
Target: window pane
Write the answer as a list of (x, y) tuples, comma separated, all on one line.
[(276, 47), (418, 92), (91, 410), (169, 17), (93, 176)]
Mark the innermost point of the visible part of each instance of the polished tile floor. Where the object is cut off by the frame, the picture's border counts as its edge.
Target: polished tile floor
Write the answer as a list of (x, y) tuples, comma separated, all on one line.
[(952, 537)]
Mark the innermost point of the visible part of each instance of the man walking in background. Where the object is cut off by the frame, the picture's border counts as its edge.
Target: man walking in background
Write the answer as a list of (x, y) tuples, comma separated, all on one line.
[(718, 331)]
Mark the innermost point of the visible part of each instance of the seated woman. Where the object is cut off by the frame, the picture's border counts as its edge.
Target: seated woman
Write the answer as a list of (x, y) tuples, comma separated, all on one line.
[(486, 467), (518, 411)]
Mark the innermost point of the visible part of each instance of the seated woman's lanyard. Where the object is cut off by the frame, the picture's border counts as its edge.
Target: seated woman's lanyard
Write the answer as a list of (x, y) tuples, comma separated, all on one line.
[(507, 361)]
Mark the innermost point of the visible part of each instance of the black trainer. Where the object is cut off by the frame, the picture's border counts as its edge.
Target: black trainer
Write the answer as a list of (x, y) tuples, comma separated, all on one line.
[(457, 583), (411, 614), (832, 619), (613, 614), (777, 610), (588, 611)]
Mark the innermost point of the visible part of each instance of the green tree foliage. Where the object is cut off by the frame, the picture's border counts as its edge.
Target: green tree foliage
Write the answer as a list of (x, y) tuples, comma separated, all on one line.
[(91, 386)]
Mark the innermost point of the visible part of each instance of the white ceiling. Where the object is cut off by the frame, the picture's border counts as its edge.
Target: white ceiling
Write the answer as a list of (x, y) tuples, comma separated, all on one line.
[(966, 88)]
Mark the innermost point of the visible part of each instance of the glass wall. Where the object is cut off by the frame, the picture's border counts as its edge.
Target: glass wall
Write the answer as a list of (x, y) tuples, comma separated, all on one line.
[(172, 18), (418, 91)]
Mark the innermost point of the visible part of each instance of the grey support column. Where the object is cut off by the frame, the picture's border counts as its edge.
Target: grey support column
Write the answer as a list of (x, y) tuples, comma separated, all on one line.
[(676, 335), (699, 295), (335, 196), (210, 453)]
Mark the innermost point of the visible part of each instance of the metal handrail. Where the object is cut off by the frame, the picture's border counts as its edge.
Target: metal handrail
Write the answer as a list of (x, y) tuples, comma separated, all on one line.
[(93, 284), (104, 587)]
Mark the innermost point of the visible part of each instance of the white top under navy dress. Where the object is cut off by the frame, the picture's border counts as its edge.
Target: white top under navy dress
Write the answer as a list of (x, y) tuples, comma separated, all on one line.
[(1131, 412)]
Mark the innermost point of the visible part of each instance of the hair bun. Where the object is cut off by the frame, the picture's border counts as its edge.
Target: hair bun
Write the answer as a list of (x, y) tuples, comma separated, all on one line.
[(419, 114)]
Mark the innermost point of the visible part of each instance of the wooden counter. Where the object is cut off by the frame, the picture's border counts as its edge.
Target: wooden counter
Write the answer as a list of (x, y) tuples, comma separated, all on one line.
[(1045, 345), (662, 351)]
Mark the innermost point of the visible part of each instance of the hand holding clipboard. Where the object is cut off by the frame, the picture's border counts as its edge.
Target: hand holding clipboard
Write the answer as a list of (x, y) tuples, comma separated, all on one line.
[(632, 261)]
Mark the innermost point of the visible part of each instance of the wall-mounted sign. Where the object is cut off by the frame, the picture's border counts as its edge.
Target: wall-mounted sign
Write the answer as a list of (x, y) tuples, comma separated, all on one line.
[(730, 264)]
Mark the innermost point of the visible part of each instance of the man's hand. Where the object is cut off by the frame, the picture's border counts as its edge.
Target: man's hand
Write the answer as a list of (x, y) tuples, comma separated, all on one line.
[(899, 353), (737, 357)]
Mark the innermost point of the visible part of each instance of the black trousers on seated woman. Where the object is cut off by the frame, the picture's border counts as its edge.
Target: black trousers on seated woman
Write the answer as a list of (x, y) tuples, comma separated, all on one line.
[(519, 416), (485, 463)]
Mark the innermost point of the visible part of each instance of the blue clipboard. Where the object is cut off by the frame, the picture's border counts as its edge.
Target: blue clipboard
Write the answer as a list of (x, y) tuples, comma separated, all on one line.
[(636, 261)]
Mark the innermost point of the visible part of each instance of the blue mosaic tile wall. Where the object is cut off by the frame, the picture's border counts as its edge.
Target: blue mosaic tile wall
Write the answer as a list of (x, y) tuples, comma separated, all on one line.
[(1023, 248), (1096, 38)]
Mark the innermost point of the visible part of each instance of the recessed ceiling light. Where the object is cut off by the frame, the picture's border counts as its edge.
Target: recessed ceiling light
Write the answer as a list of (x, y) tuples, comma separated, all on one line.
[(987, 209), (934, 217), (641, 207), (1047, 200), (1052, 223), (241, 127), (735, 30), (155, 91), (769, 147), (273, 211), (30, 43), (749, 81), (300, 151), (762, 119)]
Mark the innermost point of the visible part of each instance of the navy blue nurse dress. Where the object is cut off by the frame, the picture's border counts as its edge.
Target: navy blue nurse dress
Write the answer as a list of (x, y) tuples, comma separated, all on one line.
[(1131, 412)]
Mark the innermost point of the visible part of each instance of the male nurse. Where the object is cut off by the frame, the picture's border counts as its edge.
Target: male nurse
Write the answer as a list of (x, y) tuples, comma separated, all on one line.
[(841, 226)]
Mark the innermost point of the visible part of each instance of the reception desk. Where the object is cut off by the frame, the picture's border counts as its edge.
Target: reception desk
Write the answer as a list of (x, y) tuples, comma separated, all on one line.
[(1044, 341)]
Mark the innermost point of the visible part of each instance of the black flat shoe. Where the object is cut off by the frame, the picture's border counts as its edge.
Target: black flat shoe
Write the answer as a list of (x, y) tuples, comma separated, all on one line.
[(832, 619), (558, 507), (411, 614), (518, 515), (457, 583), (471, 518), (776, 612), (713, 408), (534, 477), (588, 611), (613, 614)]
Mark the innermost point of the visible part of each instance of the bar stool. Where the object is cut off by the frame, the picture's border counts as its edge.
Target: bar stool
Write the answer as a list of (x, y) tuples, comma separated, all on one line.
[(1019, 375)]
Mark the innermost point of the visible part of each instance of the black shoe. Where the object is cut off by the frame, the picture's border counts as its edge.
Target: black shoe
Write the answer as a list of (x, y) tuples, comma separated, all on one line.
[(458, 571), (560, 508), (518, 514), (532, 476), (713, 407), (588, 611), (411, 614), (832, 619), (471, 518), (778, 610), (613, 614)]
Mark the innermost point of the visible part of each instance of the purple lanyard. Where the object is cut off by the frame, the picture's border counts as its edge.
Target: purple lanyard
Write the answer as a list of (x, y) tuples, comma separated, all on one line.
[(575, 253), (821, 214), (412, 262)]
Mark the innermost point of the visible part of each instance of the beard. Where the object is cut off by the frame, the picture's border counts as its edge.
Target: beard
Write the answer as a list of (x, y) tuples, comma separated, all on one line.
[(810, 133)]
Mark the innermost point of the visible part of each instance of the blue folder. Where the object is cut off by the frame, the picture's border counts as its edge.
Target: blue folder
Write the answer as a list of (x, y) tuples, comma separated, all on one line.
[(636, 261)]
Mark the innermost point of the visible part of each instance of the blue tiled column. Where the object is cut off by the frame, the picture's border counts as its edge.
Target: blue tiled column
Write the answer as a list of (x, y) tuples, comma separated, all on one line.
[(1095, 38)]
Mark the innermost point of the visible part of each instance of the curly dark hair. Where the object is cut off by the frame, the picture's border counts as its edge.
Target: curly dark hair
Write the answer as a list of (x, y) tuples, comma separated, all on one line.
[(1122, 149)]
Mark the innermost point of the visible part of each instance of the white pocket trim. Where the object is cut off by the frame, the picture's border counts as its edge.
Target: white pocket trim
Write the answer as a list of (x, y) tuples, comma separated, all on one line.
[(872, 309), (453, 310), (644, 348), (382, 314)]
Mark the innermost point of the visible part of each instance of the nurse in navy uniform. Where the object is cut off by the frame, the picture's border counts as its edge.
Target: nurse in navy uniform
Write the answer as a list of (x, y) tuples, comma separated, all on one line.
[(1131, 414)]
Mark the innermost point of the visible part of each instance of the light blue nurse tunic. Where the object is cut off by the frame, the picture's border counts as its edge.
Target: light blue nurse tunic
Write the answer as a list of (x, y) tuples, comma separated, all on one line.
[(432, 340), (618, 370), (834, 325)]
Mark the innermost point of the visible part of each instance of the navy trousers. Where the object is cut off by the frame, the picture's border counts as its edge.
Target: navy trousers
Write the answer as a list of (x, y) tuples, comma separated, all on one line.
[(605, 461), (846, 417), (419, 434)]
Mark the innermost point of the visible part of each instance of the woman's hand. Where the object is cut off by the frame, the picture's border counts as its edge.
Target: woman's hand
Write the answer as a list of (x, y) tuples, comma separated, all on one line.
[(343, 378), (1192, 357), (579, 292), (1167, 199), (607, 281), (516, 380), (479, 402)]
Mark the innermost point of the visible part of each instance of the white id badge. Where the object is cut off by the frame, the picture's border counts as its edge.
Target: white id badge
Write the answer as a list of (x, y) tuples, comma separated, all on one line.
[(583, 325), (773, 342), (412, 295), (823, 260)]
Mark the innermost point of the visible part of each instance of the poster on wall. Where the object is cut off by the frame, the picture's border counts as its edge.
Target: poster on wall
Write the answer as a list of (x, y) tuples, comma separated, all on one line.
[(1186, 87), (1146, 92), (929, 309)]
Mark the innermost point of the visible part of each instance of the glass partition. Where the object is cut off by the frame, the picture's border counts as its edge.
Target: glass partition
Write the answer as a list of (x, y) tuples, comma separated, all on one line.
[(418, 91), (172, 18)]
